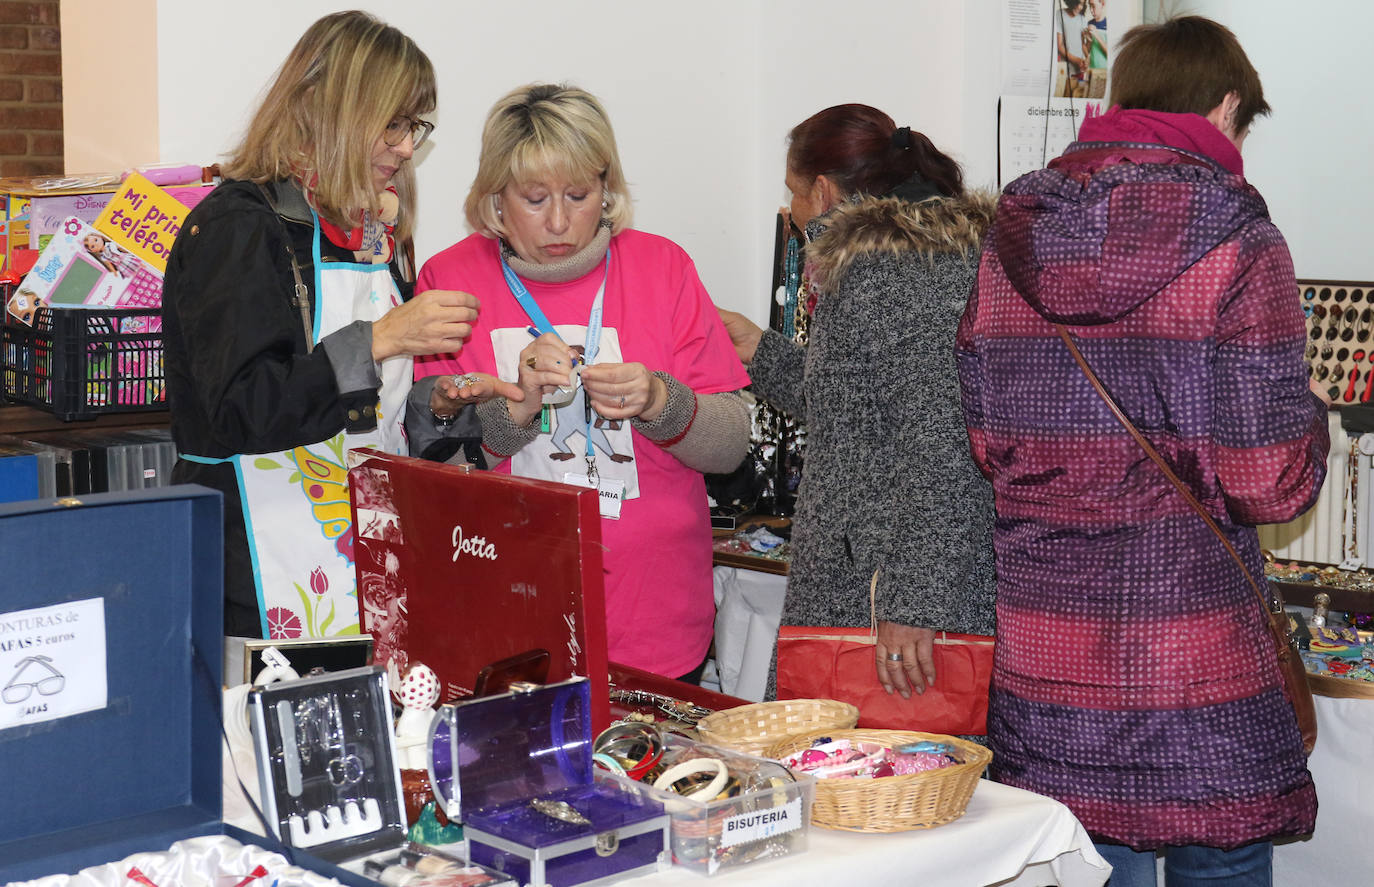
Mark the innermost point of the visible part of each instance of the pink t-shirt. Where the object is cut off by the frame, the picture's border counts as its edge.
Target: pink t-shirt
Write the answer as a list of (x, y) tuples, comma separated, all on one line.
[(660, 608)]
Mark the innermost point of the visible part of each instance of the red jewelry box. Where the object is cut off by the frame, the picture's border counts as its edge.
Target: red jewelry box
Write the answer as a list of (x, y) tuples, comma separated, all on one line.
[(459, 569)]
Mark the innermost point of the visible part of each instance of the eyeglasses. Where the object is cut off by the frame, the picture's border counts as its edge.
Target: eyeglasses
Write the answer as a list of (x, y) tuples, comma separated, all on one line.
[(51, 682), (399, 127)]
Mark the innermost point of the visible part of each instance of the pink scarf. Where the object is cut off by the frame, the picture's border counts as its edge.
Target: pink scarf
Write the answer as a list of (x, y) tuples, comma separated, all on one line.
[(1191, 132)]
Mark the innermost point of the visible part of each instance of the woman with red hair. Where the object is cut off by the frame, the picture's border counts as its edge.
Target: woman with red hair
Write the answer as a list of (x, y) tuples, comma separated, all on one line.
[(893, 519)]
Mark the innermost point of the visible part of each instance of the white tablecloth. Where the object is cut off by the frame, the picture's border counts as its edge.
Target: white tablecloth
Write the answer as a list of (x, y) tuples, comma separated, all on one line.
[(1342, 766), (1006, 837)]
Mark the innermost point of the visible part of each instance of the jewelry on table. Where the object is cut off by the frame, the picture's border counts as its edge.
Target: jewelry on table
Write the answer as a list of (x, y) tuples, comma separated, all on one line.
[(560, 810), (677, 709)]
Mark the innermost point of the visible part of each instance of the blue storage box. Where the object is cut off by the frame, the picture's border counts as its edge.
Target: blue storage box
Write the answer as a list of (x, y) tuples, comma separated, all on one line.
[(111, 610), (516, 770)]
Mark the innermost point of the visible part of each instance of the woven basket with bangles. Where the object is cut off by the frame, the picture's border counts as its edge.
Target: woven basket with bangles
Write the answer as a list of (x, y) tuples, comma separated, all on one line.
[(755, 728), (892, 803)]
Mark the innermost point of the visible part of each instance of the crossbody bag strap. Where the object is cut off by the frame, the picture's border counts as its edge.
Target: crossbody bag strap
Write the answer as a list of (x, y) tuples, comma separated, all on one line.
[(1295, 688), (301, 293), (1156, 458)]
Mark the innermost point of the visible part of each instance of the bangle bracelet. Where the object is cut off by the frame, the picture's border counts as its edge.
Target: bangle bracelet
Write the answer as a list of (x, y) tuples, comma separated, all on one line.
[(636, 747), (606, 762), (692, 768), (443, 421)]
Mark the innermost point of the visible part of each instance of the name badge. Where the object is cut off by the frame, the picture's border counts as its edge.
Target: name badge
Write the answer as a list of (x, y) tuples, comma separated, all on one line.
[(610, 492)]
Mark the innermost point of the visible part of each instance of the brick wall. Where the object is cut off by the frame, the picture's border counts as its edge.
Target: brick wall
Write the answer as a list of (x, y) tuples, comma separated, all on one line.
[(30, 88)]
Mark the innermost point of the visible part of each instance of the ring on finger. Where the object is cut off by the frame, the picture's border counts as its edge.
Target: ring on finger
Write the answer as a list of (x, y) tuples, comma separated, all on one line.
[(622, 401), (465, 379), (894, 657), (530, 361)]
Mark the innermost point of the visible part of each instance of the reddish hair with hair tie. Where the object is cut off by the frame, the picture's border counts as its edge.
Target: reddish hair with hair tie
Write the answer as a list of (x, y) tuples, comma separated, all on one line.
[(863, 151)]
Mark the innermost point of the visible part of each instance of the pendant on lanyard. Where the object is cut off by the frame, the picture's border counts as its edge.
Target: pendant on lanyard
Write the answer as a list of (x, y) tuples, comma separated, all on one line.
[(540, 323)]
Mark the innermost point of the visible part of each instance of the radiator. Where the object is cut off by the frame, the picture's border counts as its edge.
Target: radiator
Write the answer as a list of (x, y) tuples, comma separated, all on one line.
[(1337, 527)]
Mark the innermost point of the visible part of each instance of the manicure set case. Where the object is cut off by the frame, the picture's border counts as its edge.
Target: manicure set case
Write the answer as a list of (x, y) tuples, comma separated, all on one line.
[(516, 770), (327, 771), (326, 763), (111, 638)]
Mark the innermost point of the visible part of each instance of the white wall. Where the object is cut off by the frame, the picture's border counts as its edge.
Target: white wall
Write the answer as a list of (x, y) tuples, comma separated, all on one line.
[(1311, 157), (701, 94)]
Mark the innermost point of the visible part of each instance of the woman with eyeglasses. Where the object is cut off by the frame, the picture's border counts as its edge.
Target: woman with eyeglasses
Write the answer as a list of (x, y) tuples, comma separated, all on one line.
[(289, 328)]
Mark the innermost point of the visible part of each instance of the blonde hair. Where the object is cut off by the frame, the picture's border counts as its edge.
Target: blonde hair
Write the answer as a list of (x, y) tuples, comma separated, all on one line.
[(545, 128), (330, 101)]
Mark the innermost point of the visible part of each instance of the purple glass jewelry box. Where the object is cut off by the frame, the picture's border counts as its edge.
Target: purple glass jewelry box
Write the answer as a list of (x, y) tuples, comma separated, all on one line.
[(119, 594), (516, 770)]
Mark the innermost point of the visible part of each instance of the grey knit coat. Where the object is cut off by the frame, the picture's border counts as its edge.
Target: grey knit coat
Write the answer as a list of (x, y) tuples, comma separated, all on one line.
[(888, 484)]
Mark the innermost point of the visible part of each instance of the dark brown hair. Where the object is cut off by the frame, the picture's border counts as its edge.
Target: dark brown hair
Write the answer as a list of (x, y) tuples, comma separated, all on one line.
[(853, 146), (1186, 65)]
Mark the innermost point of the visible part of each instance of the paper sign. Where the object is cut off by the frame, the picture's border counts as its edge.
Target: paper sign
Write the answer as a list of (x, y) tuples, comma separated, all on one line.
[(762, 823), (52, 662), (144, 219)]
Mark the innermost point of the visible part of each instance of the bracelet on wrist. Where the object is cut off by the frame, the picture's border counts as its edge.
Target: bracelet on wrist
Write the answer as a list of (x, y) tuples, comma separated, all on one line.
[(443, 421)]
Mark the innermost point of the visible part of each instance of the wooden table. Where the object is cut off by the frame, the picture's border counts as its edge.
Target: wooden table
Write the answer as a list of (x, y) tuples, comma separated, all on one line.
[(743, 561)]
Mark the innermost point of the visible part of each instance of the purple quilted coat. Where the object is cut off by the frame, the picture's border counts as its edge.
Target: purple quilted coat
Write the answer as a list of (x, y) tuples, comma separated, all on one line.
[(1134, 678)]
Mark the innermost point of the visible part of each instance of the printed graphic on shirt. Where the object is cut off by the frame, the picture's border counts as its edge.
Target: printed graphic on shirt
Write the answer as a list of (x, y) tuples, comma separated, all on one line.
[(564, 447)]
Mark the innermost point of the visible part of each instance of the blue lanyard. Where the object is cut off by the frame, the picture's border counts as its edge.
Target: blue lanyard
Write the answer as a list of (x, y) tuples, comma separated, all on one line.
[(590, 346)]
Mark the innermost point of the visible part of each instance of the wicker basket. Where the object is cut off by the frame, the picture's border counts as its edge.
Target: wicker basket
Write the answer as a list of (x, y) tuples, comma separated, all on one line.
[(892, 803), (754, 729)]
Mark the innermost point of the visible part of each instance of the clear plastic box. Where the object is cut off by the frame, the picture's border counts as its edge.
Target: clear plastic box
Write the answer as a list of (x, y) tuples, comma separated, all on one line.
[(769, 818)]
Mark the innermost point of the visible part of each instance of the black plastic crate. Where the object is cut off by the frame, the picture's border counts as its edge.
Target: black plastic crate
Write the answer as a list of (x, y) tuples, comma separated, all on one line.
[(78, 363)]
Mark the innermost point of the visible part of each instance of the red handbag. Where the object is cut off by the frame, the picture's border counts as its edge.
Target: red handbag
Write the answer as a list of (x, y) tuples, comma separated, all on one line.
[(838, 663)]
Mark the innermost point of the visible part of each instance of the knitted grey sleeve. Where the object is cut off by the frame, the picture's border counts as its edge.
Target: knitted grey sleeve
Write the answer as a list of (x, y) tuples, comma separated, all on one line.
[(501, 437), (706, 432), (776, 373)]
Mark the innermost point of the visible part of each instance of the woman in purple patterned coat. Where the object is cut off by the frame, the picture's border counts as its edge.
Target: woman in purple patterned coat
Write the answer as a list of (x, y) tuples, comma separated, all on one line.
[(1135, 679)]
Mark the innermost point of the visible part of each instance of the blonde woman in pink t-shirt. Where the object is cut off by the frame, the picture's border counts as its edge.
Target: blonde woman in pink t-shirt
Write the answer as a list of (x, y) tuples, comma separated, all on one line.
[(631, 384)]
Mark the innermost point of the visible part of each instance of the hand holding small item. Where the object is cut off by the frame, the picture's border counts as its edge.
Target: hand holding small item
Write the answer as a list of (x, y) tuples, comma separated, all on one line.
[(434, 322), (452, 393), (624, 391), (546, 368)]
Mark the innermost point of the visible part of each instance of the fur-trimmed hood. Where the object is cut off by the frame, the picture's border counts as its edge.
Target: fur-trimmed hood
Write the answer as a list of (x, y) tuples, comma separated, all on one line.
[(889, 225)]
